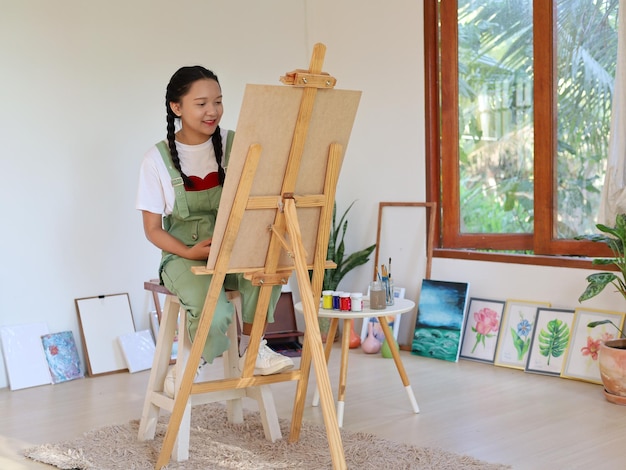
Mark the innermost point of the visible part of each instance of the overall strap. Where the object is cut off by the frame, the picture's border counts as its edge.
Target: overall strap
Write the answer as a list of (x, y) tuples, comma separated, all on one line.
[(177, 180)]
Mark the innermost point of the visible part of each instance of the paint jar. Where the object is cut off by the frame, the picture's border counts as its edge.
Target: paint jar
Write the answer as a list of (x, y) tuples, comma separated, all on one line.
[(344, 301), (377, 296), (327, 299), (356, 302), (336, 299)]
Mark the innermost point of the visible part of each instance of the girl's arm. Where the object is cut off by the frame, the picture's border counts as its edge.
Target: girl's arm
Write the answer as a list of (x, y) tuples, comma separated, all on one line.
[(153, 228)]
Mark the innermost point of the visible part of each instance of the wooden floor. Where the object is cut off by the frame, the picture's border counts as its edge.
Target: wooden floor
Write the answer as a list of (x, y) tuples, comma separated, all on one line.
[(492, 413)]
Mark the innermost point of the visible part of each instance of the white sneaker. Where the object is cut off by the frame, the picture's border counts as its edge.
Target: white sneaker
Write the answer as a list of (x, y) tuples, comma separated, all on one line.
[(169, 384), (267, 362)]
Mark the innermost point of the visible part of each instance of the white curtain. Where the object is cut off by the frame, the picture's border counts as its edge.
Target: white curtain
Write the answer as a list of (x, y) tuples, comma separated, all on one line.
[(614, 191)]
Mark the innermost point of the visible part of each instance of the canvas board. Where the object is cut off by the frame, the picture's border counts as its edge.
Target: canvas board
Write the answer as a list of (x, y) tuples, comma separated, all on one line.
[(263, 107), (138, 349), (23, 354), (62, 356), (102, 320), (440, 319)]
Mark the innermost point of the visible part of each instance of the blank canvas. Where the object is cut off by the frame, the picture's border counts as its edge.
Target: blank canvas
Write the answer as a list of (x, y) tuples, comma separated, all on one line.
[(138, 349), (102, 320), (263, 107), (24, 356)]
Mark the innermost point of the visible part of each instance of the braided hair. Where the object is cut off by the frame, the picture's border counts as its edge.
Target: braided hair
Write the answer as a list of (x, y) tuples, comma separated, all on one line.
[(179, 86)]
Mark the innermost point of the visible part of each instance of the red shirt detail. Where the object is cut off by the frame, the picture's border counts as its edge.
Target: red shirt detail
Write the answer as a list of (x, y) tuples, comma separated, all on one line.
[(200, 184)]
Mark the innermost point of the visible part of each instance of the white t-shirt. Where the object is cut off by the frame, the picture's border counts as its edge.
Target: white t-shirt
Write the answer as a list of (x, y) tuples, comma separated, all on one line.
[(155, 192)]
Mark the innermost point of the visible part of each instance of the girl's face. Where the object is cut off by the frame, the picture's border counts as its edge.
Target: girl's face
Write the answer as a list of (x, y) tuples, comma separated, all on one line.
[(200, 111)]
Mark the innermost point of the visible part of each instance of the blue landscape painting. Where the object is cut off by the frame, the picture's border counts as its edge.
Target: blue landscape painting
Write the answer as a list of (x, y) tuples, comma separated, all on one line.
[(440, 319)]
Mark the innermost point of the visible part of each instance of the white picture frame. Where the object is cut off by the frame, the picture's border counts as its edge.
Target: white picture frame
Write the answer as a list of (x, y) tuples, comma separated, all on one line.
[(102, 320)]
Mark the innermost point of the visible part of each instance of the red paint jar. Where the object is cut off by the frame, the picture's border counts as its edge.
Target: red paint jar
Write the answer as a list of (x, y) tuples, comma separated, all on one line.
[(344, 301)]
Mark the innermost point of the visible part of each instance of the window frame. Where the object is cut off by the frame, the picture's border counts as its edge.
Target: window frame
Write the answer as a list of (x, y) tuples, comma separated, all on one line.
[(442, 150)]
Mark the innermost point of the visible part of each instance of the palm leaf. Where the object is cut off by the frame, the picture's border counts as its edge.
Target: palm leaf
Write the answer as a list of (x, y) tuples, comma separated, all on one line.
[(553, 340)]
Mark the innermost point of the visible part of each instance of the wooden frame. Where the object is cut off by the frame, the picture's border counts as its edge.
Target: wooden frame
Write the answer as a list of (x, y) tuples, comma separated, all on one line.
[(430, 218), (102, 319), (582, 353), (482, 315), (518, 322), (442, 80)]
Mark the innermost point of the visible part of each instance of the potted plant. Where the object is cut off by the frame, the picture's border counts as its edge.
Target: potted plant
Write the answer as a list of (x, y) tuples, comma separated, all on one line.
[(336, 253), (612, 352)]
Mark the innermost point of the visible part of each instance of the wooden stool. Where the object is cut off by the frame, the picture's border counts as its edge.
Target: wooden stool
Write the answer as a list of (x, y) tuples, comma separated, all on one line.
[(156, 400)]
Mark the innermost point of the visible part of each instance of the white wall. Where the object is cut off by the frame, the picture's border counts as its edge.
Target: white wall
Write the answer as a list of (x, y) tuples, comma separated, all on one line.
[(83, 87), (82, 91)]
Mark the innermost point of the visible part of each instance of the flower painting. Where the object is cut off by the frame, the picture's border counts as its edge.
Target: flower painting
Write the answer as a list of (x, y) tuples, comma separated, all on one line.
[(482, 328), (590, 329), (516, 331)]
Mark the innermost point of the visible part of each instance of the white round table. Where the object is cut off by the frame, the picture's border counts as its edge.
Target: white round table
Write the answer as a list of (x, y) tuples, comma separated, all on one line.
[(399, 307)]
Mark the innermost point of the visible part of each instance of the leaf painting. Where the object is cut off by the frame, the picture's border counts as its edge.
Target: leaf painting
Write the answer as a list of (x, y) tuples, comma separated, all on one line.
[(549, 342), (553, 339)]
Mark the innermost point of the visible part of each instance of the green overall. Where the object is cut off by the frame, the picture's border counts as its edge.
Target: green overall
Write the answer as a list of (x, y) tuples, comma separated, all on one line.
[(192, 220)]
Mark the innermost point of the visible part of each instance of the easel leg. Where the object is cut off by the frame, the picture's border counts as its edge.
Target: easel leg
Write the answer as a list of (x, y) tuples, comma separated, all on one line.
[(330, 338), (314, 339)]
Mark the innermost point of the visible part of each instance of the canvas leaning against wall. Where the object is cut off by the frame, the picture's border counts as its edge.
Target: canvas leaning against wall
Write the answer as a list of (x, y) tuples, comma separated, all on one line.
[(440, 319)]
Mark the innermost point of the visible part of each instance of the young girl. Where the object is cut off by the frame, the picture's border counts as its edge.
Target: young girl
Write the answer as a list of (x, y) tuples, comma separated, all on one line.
[(180, 185)]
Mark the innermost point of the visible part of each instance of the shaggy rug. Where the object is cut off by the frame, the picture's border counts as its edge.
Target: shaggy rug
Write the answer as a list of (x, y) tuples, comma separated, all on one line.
[(218, 444)]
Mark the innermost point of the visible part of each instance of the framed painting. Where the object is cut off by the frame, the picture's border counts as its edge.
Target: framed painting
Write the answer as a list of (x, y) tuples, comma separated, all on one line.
[(548, 346), (591, 327), (518, 321), (482, 329), (440, 314)]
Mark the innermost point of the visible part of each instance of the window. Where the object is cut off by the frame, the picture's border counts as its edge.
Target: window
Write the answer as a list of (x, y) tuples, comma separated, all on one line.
[(518, 99)]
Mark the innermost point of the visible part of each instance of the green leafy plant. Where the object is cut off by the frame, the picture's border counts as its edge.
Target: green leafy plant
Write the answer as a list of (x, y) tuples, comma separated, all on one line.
[(616, 240), (553, 339), (593, 324), (336, 252)]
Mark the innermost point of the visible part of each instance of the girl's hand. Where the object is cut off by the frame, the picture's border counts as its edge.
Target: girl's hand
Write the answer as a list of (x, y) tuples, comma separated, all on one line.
[(200, 251)]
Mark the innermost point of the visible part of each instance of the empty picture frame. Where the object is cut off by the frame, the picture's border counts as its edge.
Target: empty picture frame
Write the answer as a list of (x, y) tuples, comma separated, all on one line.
[(482, 329), (405, 235), (551, 335), (102, 320), (581, 362), (515, 334)]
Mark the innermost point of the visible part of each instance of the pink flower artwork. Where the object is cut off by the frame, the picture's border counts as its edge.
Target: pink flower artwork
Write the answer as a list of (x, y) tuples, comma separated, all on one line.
[(487, 322)]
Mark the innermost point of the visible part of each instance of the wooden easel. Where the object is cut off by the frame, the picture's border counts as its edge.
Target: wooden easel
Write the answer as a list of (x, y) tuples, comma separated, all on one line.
[(285, 238)]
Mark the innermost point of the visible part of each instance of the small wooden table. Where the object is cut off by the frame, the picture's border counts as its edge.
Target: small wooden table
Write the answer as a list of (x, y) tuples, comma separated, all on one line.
[(400, 306)]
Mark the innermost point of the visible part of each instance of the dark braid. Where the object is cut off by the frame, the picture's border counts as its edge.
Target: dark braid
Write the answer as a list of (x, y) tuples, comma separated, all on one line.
[(219, 153), (179, 86)]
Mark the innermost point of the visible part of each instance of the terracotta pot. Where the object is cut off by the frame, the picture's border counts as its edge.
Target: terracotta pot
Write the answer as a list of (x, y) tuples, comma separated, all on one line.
[(612, 363)]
